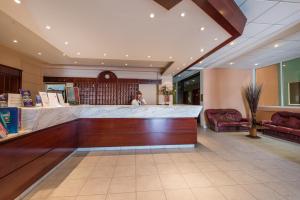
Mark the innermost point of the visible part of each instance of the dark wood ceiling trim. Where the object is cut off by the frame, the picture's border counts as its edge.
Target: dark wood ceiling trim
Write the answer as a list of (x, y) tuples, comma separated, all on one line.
[(226, 13), (168, 4)]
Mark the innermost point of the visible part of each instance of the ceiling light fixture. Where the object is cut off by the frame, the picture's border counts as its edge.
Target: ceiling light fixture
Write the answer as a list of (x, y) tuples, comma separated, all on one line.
[(183, 64), (231, 43), (152, 15), (216, 39), (191, 58), (66, 42), (105, 54), (126, 64), (170, 57), (148, 56), (182, 14), (126, 55), (48, 27), (231, 63), (276, 45), (200, 62), (39, 53), (202, 50), (18, 1), (202, 28), (178, 68), (256, 64), (15, 41), (78, 53)]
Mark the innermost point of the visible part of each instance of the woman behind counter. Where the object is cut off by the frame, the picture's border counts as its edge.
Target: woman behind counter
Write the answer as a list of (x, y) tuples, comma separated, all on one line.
[(139, 99)]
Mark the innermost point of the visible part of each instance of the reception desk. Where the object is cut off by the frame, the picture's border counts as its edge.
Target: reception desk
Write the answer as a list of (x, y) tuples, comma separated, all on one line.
[(49, 135)]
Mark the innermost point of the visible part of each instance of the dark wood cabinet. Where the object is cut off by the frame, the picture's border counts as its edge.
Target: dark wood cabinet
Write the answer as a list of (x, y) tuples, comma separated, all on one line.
[(10, 79)]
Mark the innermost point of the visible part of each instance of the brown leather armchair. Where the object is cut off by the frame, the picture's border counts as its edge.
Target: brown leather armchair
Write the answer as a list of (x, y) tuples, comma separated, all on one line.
[(226, 120)]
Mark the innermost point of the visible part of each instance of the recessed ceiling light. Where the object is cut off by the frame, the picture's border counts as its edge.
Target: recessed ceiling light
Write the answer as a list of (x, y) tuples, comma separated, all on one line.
[(179, 75), (191, 58), (78, 53), (126, 64), (75, 62), (231, 63), (39, 53), (48, 27), (200, 62), (182, 14), (216, 39), (105, 54), (256, 64), (152, 15), (66, 42), (148, 56), (202, 50), (18, 1), (178, 68), (276, 45), (202, 28), (183, 64), (231, 43), (15, 41), (170, 57), (126, 55)]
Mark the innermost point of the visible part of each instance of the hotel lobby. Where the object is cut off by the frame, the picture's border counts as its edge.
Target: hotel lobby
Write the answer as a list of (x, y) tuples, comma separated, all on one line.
[(150, 100)]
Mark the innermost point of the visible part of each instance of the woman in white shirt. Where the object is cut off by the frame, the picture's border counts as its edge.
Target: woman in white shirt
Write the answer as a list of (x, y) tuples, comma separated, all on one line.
[(138, 100)]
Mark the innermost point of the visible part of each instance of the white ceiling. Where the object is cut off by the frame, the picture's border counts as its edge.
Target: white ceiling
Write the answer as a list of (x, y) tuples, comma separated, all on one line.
[(269, 22), (108, 30)]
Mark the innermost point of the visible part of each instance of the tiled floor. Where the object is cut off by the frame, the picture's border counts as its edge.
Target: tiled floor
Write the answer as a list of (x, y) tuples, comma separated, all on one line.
[(225, 166)]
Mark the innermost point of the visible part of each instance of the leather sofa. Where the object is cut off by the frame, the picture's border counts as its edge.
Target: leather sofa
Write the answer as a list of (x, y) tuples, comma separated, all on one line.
[(284, 125), (226, 120)]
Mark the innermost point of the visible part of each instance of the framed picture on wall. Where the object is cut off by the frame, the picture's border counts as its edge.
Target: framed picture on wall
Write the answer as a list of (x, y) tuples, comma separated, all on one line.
[(294, 93)]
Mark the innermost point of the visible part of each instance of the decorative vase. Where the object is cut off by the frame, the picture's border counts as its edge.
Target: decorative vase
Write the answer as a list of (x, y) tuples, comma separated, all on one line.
[(167, 99), (253, 133)]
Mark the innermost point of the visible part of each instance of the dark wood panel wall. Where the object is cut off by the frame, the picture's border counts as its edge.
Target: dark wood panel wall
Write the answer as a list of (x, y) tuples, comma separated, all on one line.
[(106, 89), (10, 79)]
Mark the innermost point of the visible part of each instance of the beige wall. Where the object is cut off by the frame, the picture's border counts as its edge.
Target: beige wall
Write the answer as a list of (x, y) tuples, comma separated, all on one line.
[(268, 77), (32, 76), (222, 88)]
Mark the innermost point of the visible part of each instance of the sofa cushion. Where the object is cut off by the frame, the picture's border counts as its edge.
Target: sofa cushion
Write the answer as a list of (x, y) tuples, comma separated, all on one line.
[(280, 121), (283, 129), (222, 124), (293, 122), (296, 132)]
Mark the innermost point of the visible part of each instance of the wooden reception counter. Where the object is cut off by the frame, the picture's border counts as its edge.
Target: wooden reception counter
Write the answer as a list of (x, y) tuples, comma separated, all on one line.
[(49, 135)]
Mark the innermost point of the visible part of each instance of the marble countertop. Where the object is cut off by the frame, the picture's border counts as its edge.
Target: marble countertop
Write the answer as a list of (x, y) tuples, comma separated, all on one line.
[(37, 118)]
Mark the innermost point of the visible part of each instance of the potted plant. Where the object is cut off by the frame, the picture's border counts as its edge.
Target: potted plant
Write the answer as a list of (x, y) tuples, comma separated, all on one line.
[(252, 93), (166, 92)]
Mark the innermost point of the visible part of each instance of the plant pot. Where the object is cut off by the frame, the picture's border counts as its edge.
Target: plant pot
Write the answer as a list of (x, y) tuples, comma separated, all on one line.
[(167, 99), (253, 133)]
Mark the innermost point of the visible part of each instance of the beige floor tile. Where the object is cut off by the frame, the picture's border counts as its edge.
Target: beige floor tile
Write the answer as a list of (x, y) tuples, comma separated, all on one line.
[(144, 159), (147, 183), (102, 172), (151, 195), (126, 160), (80, 173), (262, 192), (242, 177), (61, 198), (187, 168), (162, 158), (89, 161), (95, 186), (235, 193), (173, 181), (180, 194), (206, 166), (226, 165), (108, 160), (122, 185), (149, 169), (197, 180), (167, 168), (68, 188), (179, 158), (196, 157), (121, 196), (208, 193), (285, 189), (219, 178), (124, 170), (93, 197)]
